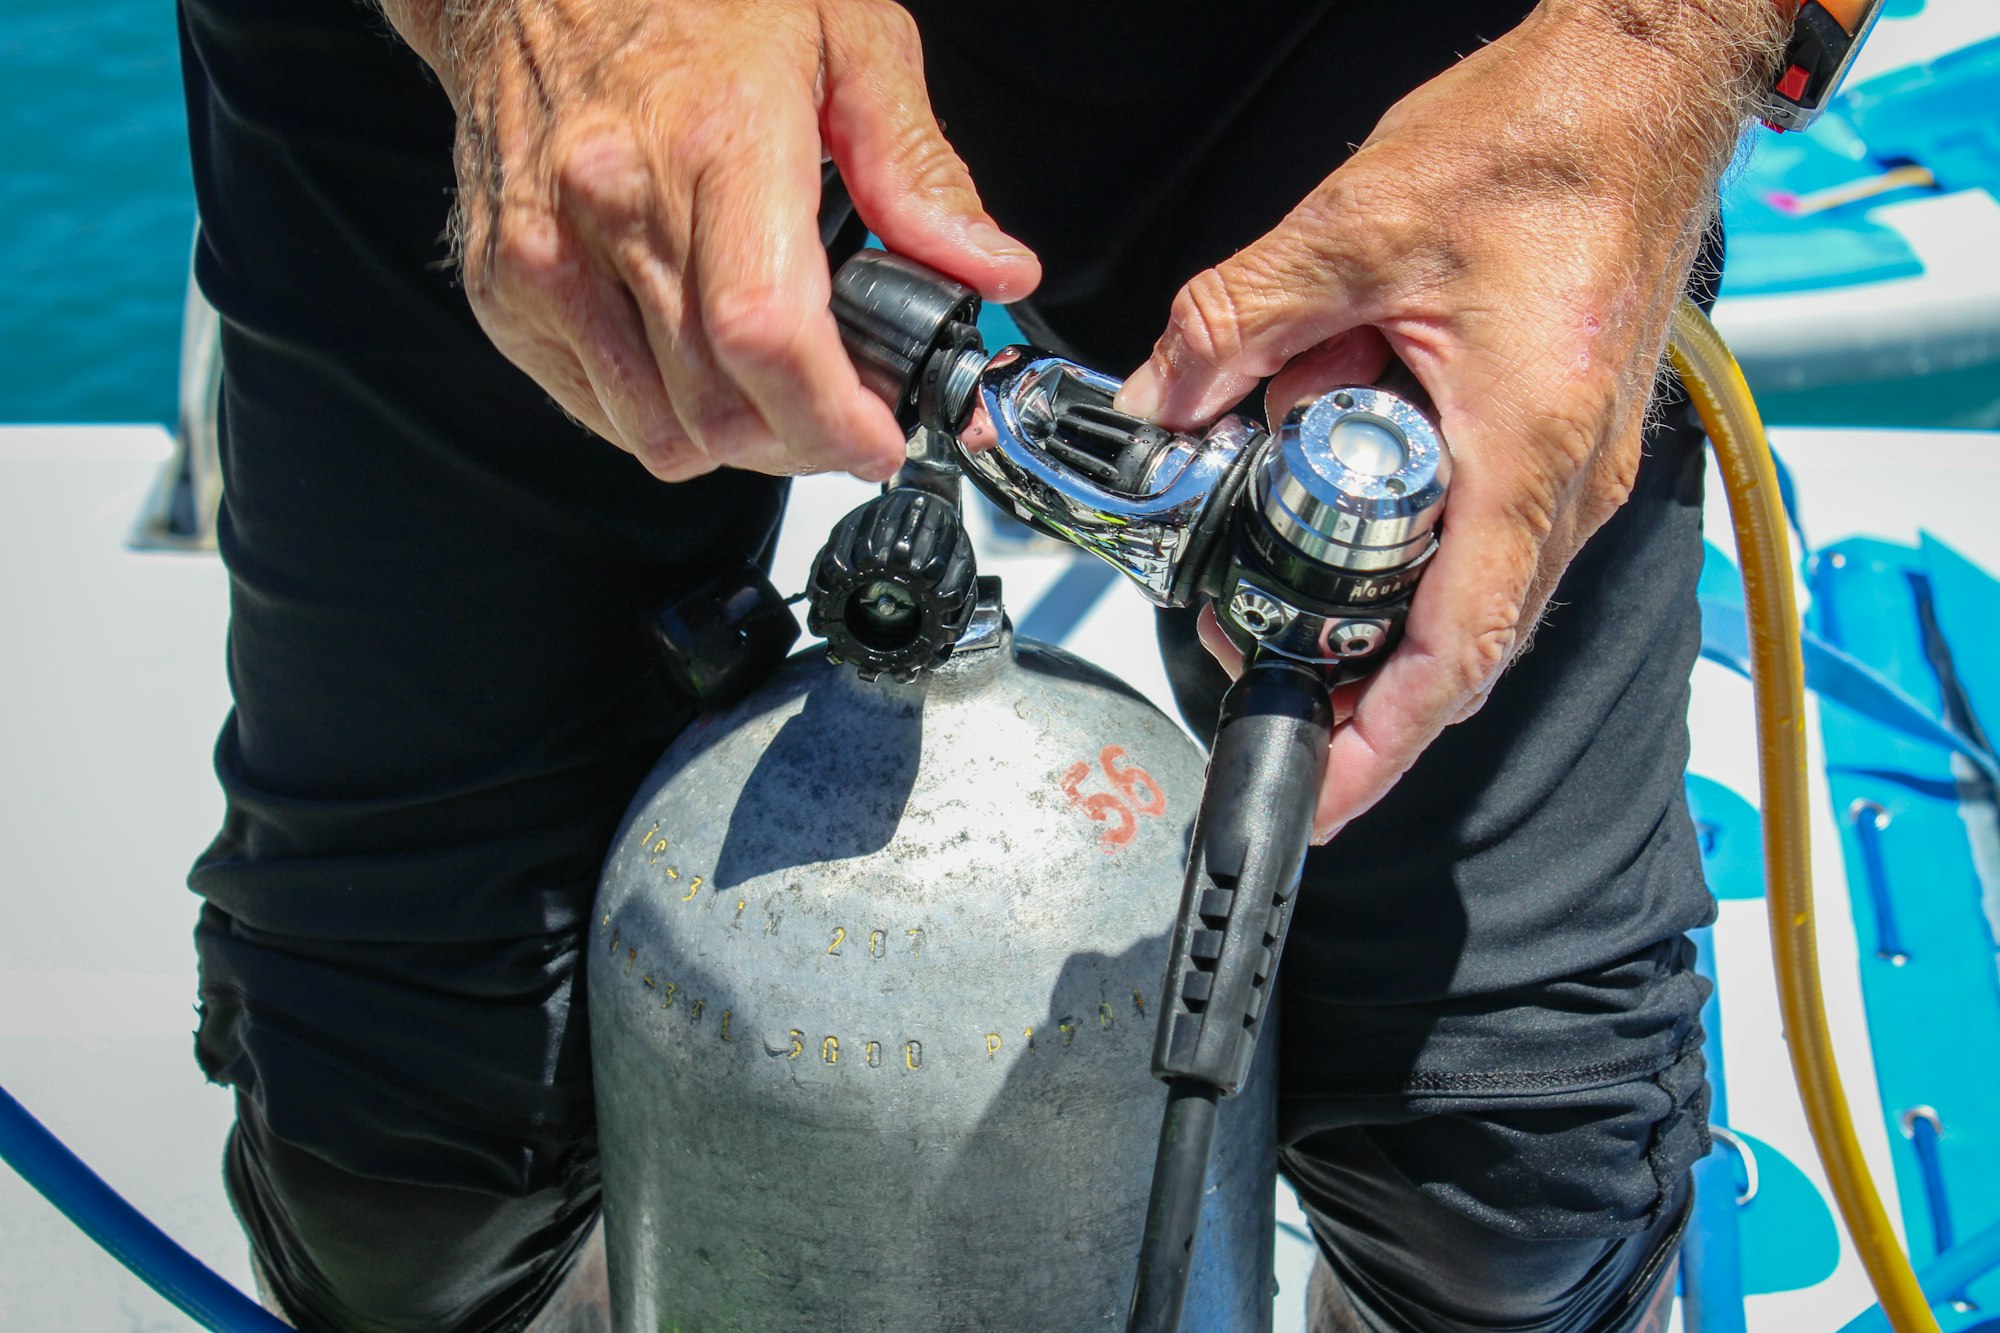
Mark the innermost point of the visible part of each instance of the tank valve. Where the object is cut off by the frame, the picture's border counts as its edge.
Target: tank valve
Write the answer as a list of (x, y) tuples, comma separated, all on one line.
[(894, 588)]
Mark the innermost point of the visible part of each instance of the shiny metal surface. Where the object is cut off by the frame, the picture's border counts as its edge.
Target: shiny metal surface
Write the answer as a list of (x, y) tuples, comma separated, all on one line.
[(1257, 611), (930, 463), (1146, 537), (873, 979), (1276, 626), (181, 508), (1356, 479), (1356, 638), (988, 628), (956, 389)]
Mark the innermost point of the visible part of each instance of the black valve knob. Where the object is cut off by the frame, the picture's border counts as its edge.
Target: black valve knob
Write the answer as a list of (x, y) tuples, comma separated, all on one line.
[(895, 585)]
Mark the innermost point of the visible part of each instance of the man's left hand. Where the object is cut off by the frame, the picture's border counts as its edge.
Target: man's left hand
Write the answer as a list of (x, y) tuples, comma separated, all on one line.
[(1517, 232)]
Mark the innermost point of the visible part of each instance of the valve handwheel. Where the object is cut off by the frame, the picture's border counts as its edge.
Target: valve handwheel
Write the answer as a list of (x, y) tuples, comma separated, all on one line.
[(895, 585)]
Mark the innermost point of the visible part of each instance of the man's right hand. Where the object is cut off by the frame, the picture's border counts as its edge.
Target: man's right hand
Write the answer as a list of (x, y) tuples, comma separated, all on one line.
[(639, 186)]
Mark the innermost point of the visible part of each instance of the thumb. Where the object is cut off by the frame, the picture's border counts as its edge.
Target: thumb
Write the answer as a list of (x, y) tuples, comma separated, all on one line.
[(1358, 356), (906, 182)]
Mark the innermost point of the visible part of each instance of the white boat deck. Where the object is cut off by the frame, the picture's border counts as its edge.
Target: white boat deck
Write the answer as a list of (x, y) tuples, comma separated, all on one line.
[(111, 689)]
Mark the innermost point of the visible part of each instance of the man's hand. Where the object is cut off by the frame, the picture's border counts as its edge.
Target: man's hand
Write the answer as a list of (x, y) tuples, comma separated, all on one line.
[(637, 215), (1517, 231)]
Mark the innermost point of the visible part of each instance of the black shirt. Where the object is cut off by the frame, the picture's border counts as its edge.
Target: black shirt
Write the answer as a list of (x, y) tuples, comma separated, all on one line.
[(1091, 127)]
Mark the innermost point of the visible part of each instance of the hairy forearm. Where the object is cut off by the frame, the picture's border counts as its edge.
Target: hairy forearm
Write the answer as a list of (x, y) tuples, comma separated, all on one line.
[(1600, 113), (421, 23), (1685, 74), (1733, 45), (431, 28)]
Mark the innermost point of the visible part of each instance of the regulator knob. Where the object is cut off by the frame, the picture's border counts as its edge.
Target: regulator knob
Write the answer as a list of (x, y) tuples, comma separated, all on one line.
[(895, 585), (1356, 481)]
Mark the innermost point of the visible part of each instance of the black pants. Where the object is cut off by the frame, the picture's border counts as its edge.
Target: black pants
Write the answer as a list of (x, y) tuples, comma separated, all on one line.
[(1492, 1086)]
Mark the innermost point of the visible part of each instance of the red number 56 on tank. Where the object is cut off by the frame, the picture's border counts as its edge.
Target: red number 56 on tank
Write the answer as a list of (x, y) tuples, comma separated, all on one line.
[(1136, 794)]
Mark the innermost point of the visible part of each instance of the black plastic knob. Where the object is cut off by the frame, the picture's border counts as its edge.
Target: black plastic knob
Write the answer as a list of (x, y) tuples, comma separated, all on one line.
[(716, 643), (906, 326), (895, 586)]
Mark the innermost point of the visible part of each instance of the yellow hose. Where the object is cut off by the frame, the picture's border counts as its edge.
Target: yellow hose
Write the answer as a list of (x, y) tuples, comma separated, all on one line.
[(1715, 383)]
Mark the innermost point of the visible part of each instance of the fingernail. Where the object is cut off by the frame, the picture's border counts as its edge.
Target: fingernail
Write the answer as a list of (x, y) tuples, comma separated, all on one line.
[(996, 243), (1322, 839), (1140, 396)]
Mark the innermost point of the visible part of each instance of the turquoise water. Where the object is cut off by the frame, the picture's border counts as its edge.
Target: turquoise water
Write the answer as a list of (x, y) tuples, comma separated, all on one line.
[(96, 210), (96, 216)]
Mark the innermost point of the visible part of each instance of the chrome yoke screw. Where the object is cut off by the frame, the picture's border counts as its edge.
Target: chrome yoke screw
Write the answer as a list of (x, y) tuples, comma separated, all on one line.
[(1262, 616)]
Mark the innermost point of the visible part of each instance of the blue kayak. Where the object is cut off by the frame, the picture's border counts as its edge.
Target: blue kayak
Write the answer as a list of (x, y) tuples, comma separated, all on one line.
[(1861, 287)]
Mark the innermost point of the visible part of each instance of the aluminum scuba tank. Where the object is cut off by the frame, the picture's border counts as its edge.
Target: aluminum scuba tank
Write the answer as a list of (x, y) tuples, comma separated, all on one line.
[(874, 979)]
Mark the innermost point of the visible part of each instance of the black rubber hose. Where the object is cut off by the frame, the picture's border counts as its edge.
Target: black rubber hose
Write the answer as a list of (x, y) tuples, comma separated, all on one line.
[(1173, 1211), (1249, 846)]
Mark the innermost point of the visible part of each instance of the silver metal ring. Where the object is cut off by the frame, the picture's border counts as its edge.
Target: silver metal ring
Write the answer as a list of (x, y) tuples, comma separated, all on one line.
[(1879, 817), (1318, 498), (1737, 1145), (1908, 1121)]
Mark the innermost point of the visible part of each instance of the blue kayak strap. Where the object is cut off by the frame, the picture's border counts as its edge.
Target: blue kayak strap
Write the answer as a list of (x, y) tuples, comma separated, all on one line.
[(1839, 676)]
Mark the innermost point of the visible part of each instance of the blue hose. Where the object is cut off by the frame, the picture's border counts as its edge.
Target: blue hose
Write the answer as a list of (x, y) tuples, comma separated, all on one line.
[(96, 1208)]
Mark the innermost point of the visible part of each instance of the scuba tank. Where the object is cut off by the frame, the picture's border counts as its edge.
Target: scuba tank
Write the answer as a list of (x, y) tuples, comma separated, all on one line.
[(875, 969), (889, 962)]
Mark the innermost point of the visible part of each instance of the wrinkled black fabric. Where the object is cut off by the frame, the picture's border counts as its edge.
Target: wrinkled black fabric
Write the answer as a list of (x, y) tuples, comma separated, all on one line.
[(1134, 145), (443, 700), (1411, 1265), (317, 1227)]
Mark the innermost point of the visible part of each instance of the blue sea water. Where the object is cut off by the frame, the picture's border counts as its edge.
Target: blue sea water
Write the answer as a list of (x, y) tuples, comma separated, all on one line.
[(96, 210), (97, 215)]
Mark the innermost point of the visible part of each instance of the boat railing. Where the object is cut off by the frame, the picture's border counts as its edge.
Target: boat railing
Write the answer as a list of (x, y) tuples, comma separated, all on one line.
[(180, 511)]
